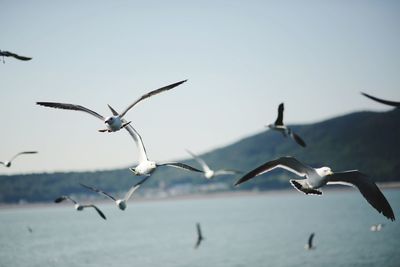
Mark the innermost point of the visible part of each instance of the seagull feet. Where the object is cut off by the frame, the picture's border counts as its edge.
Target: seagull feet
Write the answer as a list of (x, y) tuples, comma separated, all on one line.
[(103, 130), (125, 124), (302, 187)]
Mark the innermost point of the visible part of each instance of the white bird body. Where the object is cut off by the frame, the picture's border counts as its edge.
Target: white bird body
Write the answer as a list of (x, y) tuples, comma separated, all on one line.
[(146, 167), (209, 174)]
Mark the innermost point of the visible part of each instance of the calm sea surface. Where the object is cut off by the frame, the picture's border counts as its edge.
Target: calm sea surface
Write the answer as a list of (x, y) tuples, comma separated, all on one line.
[(260, 230)]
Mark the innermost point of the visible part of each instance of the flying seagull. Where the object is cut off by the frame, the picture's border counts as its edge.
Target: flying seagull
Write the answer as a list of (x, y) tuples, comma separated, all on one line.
[(121, 203), (286, 131), (382, 101), (78, 206), (9, 54), (309, 245), (199, 236), (113, 123), (8, 163), (209, 173), (376, 227), (318, 177), (146, 166)]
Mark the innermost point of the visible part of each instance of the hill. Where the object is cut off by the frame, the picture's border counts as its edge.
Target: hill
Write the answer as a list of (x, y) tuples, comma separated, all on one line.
[(367, 141)]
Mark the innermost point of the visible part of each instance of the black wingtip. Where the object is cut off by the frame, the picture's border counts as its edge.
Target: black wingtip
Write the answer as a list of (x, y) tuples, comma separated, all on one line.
[(58, 200)]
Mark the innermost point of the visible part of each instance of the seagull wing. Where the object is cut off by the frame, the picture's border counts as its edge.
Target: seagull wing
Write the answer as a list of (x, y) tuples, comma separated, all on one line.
[(199, 236), (224, 172), (297, 139), (386, 102), (21, 153), (97, 209), (368, 189), (279, 120), (62, 198), (200, 161), (310, 240), (154, 92), (70, 107), (139, 142), (288, 163), (9, 54), (180, 166), (1, 162), (98, 191), (134, 188)]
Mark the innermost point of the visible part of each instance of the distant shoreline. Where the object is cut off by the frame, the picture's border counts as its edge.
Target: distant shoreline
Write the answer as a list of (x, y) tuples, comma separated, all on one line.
[(213, 195)]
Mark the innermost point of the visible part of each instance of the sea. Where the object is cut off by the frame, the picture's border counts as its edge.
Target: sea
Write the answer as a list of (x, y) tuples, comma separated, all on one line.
[(268, 229)]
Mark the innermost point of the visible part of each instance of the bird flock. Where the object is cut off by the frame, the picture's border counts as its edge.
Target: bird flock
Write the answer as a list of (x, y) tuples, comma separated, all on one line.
[(311, 182)]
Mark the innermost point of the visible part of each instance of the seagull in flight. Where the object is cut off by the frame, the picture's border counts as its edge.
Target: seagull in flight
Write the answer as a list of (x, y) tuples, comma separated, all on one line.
[(8, 162), (309, 245), (115, 122), (315, 178), (80, 207), (382, 101), (199, 236), (121, 203), (286, 131), (146, 166), (209, 173), (9, 54)]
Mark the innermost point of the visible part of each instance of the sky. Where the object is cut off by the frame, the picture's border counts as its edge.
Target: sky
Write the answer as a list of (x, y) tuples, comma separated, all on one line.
[(241, 59)]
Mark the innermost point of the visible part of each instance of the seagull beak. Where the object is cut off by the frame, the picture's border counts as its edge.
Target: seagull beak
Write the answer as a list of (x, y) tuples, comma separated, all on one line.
[(330, 173)]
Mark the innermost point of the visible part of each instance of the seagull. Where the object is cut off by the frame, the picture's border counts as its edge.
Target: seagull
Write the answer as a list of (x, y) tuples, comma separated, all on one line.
[(78, 206), (376, 227), (9, 54), (199, 236), (8, 163), (113, 123), (146, 166), (309, 245), (386, 102), (318, 177), (286, 131), (29, 229), (121, 203), (208, 173)]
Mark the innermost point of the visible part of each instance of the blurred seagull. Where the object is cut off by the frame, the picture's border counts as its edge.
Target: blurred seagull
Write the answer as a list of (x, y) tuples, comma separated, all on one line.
[(199, 236), (80, 207), (309, 245), (8, 163), (318, 177), (121, 203), (9, 54), (208, 173), (113, 123), (382, 101), (146, 166), (286, 131), (376, 227)]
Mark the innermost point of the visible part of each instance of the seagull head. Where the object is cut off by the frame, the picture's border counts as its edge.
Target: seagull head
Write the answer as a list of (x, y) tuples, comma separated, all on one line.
[(109, 120), (121, 204), (7, 163), (324, 171)]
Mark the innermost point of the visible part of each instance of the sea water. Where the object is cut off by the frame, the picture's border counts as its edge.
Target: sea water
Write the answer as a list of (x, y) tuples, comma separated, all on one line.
[(269, 229)]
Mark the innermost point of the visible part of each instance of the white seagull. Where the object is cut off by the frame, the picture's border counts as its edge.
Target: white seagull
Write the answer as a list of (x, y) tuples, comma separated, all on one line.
[(8, 162), (121, 203), (80, 207), (9, 54), (382, 101), (209, 173), (115, 122), (146, 166), (286, 131), (309, 244), (318, 177), (200, 237)]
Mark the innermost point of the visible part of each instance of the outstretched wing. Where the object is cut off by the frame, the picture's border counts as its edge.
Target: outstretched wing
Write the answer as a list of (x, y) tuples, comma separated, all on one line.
[(70, 107), (297, 139), (180, 166), (200, 161), (9, 54), (154, 92), (21, 153), (368, 189), (139, 142), (62, 198), (288, 163), (98, 191), (199, 236), (134, 188), (224, 172), (310, 240), (279, 120), (97, 209), (383, 101)]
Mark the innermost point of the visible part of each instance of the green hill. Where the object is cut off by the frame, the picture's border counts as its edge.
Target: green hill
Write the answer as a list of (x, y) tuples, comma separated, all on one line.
[(367, 141)]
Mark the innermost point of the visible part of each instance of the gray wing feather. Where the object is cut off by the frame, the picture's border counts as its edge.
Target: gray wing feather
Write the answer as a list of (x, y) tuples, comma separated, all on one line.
[(24, 152), (134, 188), (98, 191), (383, 101), (180, 166), (70, 107)]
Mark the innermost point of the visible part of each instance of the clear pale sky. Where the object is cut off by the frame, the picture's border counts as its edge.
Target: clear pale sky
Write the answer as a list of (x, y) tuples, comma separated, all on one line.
[(241, 59)]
